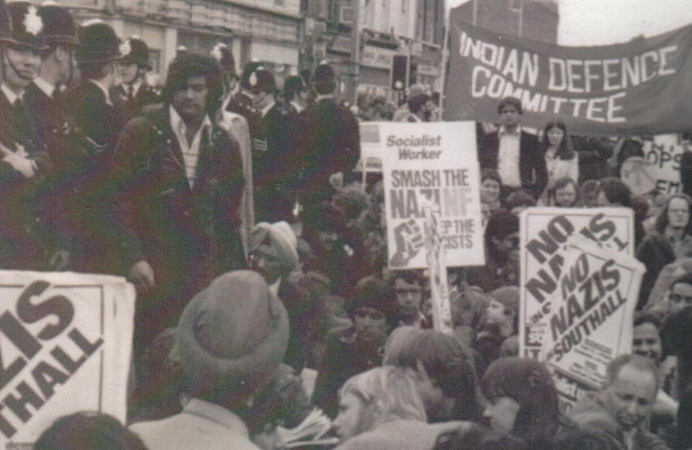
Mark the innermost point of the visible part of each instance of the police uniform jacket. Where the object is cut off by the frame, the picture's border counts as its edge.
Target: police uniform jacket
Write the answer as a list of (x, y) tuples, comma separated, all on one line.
[(23, 235), (96, 124), (332, 143), (187, 234), (132, 107)]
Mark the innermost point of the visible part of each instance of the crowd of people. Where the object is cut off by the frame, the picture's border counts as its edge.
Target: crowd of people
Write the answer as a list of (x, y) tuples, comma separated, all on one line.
[(260, 258)]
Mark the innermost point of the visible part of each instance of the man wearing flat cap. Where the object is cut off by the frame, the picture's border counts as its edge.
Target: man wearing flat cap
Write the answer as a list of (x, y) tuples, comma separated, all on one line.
[(332, 140), (230, 340), (23, 163), (134, 94), (179, 184), (97, 123)]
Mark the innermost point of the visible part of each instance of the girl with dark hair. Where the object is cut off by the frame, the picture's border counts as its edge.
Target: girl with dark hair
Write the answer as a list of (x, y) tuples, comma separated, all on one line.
[(560, 158), (523, 401), (491, 186)]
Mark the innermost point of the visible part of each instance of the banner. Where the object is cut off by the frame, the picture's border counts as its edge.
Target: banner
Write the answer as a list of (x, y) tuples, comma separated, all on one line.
[(424, 164), (65, 346), (665, 152), (641, 87), (545, 234), (590, 322)]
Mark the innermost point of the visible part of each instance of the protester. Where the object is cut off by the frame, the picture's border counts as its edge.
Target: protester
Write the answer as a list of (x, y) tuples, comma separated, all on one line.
[(514, 153), (523, 401), (499, 323), (491, 186), (444, 372), (408, 286), (676, 333), (88, 431), (273, 254), (560, 158), (230, 341), (382, 409), (671, 239), (372, 308), (420, 108), (565, 193), (177, 216), (622, 408), (502, 251), (590, 191), (476, 437)]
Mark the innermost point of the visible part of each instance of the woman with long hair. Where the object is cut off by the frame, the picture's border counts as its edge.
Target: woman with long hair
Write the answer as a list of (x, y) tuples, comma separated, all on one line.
[(560, 158)]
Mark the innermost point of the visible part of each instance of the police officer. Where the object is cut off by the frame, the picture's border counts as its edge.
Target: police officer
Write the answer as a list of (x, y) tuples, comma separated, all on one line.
[(332, 141), (222, 54), (98, 123), (241, 103), (134, 94), (274, 163), (23, 165), (48, 119)]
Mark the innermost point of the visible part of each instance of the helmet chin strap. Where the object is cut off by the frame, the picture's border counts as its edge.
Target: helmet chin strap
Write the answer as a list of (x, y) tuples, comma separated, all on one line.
[(14, 69)]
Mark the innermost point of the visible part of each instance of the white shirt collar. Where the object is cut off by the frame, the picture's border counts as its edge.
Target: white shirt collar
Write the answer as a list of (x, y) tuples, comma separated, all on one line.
[(503, 131), (135, 86), (266, 109), (10, 94), (46, 87), (104, 90), (299, 108)]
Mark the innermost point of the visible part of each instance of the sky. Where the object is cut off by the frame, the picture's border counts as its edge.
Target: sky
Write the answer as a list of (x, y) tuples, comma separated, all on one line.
[(602, 22)]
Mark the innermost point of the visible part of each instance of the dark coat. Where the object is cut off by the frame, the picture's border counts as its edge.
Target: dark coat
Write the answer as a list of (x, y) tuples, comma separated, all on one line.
[(146, 96), (343, 359), (275, 165), (188, 235), (593, 157), (331, 143), (88, 188), (23, 235), (686, 172), (532, 170)]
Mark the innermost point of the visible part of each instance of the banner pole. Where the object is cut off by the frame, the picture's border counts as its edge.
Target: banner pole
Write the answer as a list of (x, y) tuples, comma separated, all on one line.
[(444, 59)]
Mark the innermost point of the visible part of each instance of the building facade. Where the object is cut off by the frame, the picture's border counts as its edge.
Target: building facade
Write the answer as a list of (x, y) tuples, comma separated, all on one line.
[(264, 30)]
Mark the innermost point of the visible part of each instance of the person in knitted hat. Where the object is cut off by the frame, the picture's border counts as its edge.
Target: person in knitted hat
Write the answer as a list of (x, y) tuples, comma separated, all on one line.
[(372, 308), (230, 340), (133, 94), (523, 401)]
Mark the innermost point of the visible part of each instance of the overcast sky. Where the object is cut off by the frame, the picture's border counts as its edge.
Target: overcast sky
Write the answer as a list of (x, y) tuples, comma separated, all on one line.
[(599, 22)]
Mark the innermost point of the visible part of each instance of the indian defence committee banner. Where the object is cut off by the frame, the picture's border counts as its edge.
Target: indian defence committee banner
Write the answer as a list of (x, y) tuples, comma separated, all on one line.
[(590, 321), (431, 165), (544, 236), (65, 346), (640, 87)]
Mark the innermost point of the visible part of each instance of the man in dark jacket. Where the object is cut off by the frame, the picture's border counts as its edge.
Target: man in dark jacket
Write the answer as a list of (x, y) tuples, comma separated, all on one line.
[(97, 123), (23, 164), (44, 106), (514, 153), (332, 140), (179, 186)]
